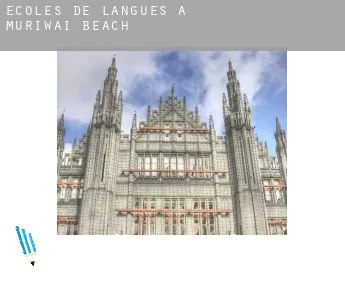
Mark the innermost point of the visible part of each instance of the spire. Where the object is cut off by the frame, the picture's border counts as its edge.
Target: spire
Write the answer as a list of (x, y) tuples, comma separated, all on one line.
[(211, 123), (134, 121), (98, 98), (89, 129), (230, 65), (110, 87), (113, 62), (61, 124), (281, 150), (148, 113), (197, 118), (184, 103), (246, 103), (224, 100), (278, 126), (172, 91), (120, 101), (120, 96)]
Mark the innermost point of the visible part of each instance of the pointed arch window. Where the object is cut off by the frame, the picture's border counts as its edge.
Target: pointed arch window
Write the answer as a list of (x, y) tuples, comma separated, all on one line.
[(63, 193), (74, 193), (261, 163), (268, 195)]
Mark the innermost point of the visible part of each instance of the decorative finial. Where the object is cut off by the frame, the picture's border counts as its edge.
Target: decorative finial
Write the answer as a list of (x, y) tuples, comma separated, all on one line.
[(113, 61), (172, 90), (278, 126), (230, 65)]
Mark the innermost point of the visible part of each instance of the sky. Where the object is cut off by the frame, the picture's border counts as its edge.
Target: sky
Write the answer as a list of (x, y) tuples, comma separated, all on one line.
[(198, 75)]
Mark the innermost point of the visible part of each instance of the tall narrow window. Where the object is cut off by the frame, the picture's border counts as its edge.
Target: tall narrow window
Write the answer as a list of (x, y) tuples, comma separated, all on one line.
[(278, 196), (154, 166), (74, 193), (62, 193), (268, 195), (166, 204), (204, 227), (103, 168), (166, 165), (200, 166), (136, 225), (152, 225), (180, 166), (166, 225), (182, 224), (203, 205), (207, 165), (173, 166), (174, 227), (80, 193), (174, 204), (192, 165), (141, 164), (147, 166), (75, 232), (196, 224), (196, 205), (211, 224), (152, 204), (261, 163), (182, 205), (69, 228), (144, 225)]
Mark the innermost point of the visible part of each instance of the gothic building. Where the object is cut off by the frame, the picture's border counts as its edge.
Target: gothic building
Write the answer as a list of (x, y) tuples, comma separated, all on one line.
[(172, 175)]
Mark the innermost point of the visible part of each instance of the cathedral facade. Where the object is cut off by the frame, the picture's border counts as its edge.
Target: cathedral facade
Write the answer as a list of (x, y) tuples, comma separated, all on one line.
[(172, 175)]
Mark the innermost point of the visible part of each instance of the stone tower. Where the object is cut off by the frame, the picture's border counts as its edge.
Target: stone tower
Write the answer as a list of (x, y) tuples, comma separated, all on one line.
[(61, 131), (244, 173), (281, 150), (101, 162)]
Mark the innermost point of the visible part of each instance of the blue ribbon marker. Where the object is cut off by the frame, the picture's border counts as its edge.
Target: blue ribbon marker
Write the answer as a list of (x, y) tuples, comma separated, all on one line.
[(20, 240), (26, 241), (32, 243)]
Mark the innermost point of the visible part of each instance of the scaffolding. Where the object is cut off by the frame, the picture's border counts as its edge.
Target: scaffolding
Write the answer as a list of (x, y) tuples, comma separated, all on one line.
[(175, 170), (147, 128), (68, 183), (276, 221), (67, 219), (278, 186), (173, 211)]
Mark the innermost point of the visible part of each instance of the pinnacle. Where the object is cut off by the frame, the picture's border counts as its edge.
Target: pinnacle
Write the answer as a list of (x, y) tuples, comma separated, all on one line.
[(278, 126), (172, 90), (62, 120), (113, 61), (230, 65)]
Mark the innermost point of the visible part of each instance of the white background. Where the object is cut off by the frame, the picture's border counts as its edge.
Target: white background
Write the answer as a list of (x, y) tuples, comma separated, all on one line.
[(313, 249)]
